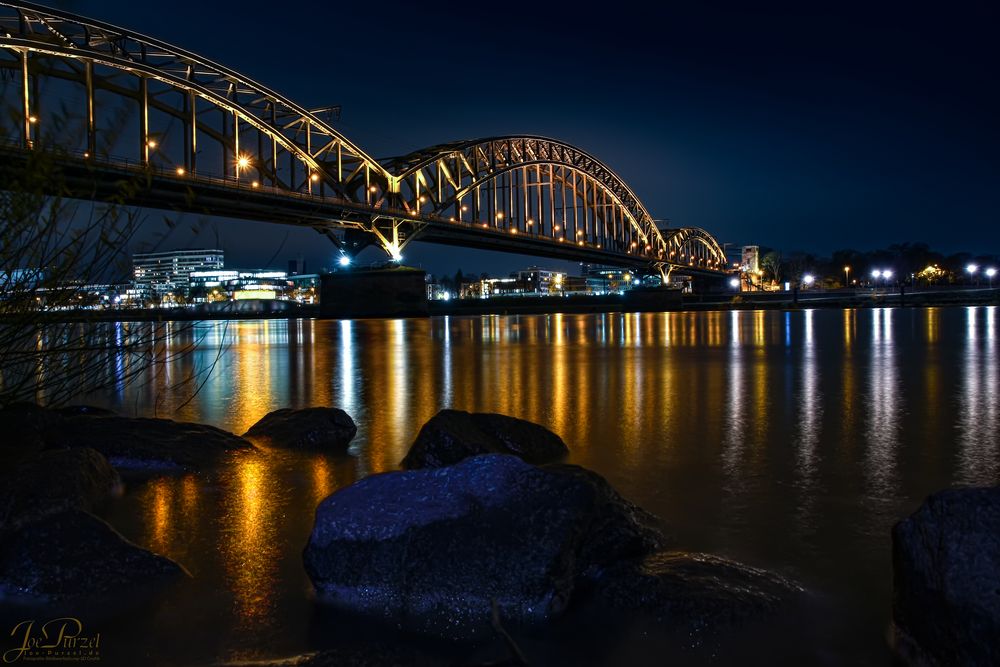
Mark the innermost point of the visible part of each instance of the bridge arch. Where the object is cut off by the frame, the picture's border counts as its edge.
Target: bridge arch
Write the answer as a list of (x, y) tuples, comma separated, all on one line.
[(198, 124), (263, 136), (545, 189)]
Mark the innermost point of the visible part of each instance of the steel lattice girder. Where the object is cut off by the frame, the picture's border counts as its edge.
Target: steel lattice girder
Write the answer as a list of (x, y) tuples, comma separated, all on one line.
[(403, 196), (322, 149)]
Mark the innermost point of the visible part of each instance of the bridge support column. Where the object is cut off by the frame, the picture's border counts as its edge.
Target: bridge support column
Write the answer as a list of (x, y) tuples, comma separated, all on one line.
[(397, 292), (394, 235)]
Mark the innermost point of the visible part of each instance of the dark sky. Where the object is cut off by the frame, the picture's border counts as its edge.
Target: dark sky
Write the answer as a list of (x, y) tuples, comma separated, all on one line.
[(811, 125)]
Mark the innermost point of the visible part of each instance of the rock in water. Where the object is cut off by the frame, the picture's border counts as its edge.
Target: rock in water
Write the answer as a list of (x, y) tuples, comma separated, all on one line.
[(692, 593), (126, 442), (946, 579), (311, 428), (429, 549), (453, 435), (75, 555), (53, 481)]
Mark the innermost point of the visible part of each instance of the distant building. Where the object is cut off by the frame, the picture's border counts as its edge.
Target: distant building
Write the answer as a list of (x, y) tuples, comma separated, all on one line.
[(749, 266), (297, 266), (221, 285), (159, 273), (540, 281), (607, 279), (751, 259)]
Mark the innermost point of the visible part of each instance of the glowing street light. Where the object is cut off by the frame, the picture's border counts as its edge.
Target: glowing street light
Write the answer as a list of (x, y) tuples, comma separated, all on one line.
[(808, 279), (242, 162), (344, 260), (734, 283), (847, 276), (990, 272)]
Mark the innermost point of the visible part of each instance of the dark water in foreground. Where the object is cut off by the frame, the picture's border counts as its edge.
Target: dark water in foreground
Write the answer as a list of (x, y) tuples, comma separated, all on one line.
[(791, 441)]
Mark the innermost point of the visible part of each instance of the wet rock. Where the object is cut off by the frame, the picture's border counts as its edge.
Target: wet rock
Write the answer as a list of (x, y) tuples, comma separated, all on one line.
[(616, 526), (453, 435), (311, 428), (89, 410), (21, 424), (428, 550), (352, 656), (692, 594), (74, 555), (946, 579), (53, 481), (158, 444)]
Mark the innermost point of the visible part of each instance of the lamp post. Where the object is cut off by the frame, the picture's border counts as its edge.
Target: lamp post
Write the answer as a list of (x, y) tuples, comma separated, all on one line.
[(990, 272), (971, 269), (875, 274), (847, 276)]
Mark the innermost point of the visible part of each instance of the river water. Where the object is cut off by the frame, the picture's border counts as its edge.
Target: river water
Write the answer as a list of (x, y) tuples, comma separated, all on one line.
[(788, 440)]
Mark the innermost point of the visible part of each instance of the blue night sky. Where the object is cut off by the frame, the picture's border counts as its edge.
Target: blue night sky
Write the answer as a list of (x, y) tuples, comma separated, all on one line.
[(807, 126)]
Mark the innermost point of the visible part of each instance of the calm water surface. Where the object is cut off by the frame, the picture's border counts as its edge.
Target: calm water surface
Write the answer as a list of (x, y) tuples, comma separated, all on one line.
[(792, 441)]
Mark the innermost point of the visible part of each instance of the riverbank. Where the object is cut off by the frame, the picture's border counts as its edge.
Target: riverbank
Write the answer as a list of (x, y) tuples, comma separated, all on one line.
[(653, 300), (860, 298)]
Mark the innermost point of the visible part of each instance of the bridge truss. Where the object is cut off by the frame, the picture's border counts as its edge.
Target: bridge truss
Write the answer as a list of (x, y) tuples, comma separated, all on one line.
[(215, 141)]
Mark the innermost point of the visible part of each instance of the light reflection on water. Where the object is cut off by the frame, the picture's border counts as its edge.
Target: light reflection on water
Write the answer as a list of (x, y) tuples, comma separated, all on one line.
[(978, 407), (792, 440)]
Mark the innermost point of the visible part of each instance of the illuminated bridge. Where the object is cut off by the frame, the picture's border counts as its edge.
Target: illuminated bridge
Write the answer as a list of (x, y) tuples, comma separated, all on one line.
[(110, 104)]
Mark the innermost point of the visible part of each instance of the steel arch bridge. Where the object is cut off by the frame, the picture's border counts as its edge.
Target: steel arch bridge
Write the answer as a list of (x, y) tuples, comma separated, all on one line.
[(110, 102)]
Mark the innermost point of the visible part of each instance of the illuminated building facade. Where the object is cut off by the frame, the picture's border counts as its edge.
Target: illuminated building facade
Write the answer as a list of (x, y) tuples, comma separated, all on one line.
[(159, 273)]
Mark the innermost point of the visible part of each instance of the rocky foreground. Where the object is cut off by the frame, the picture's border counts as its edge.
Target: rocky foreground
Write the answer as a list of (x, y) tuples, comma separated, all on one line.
[(946, 580), (482, 530)]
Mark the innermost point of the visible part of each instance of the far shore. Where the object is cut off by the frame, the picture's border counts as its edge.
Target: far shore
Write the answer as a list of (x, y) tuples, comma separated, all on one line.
[(572, 304)]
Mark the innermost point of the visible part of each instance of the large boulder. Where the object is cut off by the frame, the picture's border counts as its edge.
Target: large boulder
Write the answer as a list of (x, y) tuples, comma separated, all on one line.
[(53, 481), (311, 428), (453, 435), (429, 549), (127, 442), (946, 579), (73, 555), (691, 594)]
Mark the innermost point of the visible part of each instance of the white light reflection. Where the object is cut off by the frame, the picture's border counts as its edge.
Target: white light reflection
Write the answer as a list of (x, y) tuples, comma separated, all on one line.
[(736, 429), (399, 380), (347, 389), (978, 461), (446, 390), (809, 402), (884, 415)]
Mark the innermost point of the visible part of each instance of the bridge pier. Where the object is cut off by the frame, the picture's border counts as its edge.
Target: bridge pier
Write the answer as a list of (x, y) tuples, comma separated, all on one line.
[(392, 292)]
